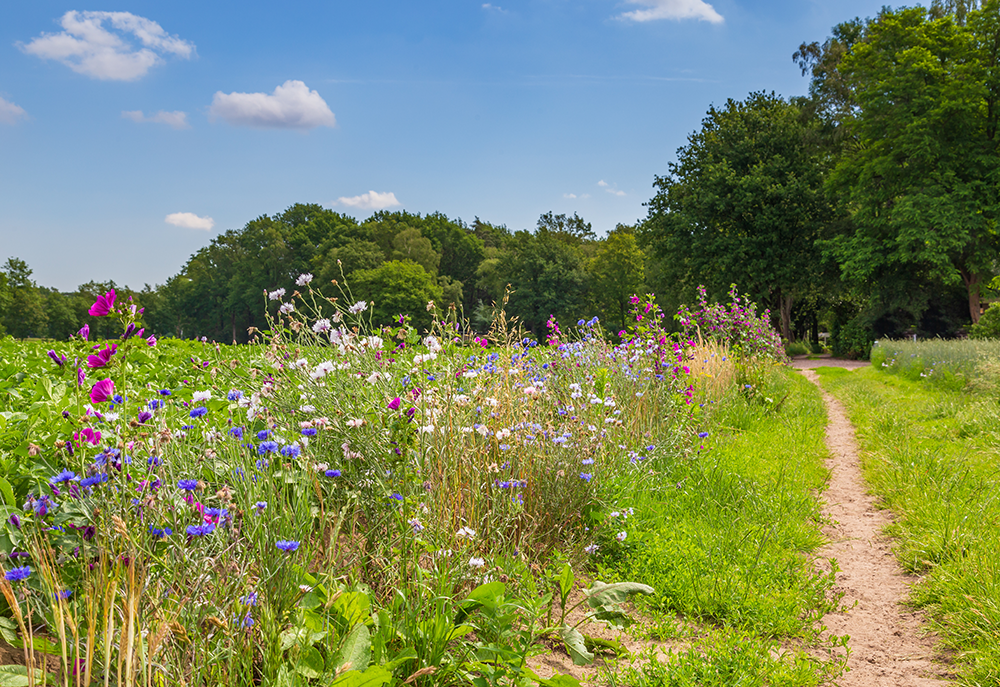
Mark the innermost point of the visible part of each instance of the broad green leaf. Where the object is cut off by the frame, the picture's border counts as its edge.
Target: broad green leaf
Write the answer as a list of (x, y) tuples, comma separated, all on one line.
[(557, 680), (310, 663), (608, 594), (375, 676), (566, 580), (576, 645), (356, 651), (7, 492)]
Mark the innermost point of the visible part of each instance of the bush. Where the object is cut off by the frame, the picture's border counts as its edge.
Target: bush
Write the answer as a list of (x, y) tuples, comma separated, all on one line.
[(988, 326), (852, 340)]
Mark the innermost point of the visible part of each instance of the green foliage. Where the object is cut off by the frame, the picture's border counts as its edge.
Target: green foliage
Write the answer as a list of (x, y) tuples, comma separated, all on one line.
[(396, 288), (988, 326), (618, 274)]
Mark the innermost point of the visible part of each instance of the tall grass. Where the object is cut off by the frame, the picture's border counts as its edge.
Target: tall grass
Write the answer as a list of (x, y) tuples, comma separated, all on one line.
[(949, 364)]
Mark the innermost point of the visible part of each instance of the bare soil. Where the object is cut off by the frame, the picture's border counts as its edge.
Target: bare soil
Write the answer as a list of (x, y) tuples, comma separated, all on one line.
[(888, 643)]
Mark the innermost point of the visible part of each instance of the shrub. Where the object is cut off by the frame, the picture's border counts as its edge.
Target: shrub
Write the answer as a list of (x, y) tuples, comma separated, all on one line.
[(988, 326)]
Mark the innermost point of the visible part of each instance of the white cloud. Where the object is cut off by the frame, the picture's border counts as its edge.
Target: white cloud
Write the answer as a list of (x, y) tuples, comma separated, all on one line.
[(673, 9), (488, 6), (602, 183), (610, 189), (88, 47), (569, 195), (615, 192), (189, 220), (373, 200), (291, 106), (176, 120), (10, 113)]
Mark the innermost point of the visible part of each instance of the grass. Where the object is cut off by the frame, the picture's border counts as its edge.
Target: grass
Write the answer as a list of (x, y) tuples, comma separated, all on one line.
[(951, 364), (726, 535), (930, 454)]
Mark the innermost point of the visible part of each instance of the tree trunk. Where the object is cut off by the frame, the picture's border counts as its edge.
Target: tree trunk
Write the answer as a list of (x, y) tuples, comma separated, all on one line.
[(786, 316), (972, 284)]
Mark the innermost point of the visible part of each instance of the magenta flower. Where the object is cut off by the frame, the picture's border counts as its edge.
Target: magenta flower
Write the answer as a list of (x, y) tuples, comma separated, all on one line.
[(103, 357), (103, 305), (394, 403), (102, 391), (151, 341), (88, 435), (84, 332), (80, 376)]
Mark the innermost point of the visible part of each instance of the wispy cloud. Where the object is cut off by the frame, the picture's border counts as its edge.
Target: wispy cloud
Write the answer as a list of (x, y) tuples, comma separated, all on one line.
[(490, 7), (373, 200), (176, 120), (11, 113), (291, 106), (189, 220), (87, 46), (672, 9), (610, 188), (572, 196)]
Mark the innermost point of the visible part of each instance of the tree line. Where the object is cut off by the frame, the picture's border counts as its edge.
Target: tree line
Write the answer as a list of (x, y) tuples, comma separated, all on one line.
[(867, 208)]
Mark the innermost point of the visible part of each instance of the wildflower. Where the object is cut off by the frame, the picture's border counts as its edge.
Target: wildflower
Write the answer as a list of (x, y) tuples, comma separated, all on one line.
[(160, 533), (287, 546), (394, 403), (64, 476), (200, 530), (586, 476), (59, 360), (15, 521), (322, 326), (267, 447), (236, 432), (103, 305), (291, 451), (591, 549), (263, 434), (65, 594), (310, 431), (84, 332), (151, 341), (102, 391), (476, 562), (80, 376), (164, 392), (187, 484), (332, 473), (276, 295), (416, 525), (396, 496), (466, 533), (199, 396), (234, 395), (214, 515), (260, 506), (199, 411), (94, 479), (144, 417), (358, 307), (18, 574), (702, 435), (286, 308), (102, 358), (621, 536), (249, 600), (303, 279)]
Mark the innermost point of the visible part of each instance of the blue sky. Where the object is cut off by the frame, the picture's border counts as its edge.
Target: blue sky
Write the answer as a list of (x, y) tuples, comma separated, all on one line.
[(131, 135)]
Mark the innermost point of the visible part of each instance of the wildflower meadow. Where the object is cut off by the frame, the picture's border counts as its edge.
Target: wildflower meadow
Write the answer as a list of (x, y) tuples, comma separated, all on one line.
[(340, 503)]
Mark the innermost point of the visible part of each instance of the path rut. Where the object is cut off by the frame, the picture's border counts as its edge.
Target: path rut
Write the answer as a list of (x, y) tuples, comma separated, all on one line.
[(887, 641)]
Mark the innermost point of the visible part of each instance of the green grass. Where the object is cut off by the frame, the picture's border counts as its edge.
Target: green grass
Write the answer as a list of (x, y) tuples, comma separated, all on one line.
[(951, 364), (930, 454), (725, 536)]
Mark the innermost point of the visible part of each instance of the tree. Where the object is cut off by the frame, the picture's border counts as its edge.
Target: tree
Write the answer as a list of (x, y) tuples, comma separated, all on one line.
[(744, 204), (25, 316), (920, 173), (397, 288), (618, 273)]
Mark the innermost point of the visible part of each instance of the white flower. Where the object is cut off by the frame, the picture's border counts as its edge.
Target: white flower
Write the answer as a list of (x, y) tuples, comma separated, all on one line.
[(355, 422), (286, 308), (308, 409), (301, 363), (322, 326), (276, 295), (358, 307), (592, 549), (503, 434), (476, 562), (199, 396), (470, 374), (421, 359), (110, 417), (621, 536), (373, 377), (303, 279), (372, 341), (322, 370), (427, 429), (433, 345), (466, 533), (305, 589)]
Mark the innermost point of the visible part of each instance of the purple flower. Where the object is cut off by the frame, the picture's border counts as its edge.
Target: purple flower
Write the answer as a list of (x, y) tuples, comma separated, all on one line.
[(84, 332), (103, 305), (129, 330), (261, 506), (187, 484), (57, 359), (267, 447), (102, 391), (199, 411), (332, 473), (287, 546), (291, 451), (200, 530), (18, 574), (15, 521), (586, 476), (80, 376), (702, 435), (309, 432), (144, 417), (394, 403)]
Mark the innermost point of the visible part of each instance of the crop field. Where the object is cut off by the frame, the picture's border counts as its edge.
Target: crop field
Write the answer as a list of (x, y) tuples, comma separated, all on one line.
[(341, 504)]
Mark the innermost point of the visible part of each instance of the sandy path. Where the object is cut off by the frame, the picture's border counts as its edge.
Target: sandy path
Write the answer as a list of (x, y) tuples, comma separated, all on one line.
[(887, 645)]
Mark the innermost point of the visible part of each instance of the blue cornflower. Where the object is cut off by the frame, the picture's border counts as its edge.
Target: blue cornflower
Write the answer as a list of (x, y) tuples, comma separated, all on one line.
[(18, 574), (200, 530), (234, 395), (236, 432), (587, 461), (309, 432), (160, 533), (287, 546), (396, 497), (155, 404), (702, 435), (199, 411), (586, 476), (580, 323), (336, 473), (117, 398), (164, 392), (94, 479), (64, 476), (260, 506), (220, 513), (249, 600), (263, 463), (154, 461), (187, 484), (66, 593), (267, 447), (263, 434), (291, 451)]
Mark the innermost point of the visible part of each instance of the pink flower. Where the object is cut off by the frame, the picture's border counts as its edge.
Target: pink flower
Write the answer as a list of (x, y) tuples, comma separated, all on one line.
[(88, 435), (84, 332), (151, 341), (80, 376), (102, 391), (103, 305), (102, 358), (394, 403)]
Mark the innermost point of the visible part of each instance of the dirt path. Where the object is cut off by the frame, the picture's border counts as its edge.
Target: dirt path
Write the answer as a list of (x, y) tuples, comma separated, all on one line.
[(887, 644)]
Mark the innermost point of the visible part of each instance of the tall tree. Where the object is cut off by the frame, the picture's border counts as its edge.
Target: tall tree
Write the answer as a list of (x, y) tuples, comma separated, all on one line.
[(618, 274), (921, 169), (744, 204)]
